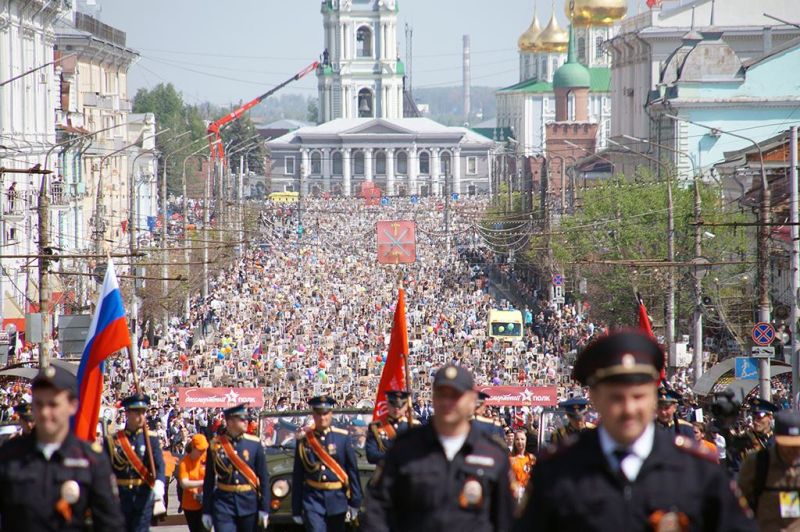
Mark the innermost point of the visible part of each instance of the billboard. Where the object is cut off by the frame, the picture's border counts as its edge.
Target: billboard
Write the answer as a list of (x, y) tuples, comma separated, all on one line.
[(521, 395), (219, 397)]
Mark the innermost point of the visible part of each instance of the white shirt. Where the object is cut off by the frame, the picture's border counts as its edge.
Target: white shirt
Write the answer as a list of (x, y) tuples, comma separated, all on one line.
[(452, 444), (638, 451)]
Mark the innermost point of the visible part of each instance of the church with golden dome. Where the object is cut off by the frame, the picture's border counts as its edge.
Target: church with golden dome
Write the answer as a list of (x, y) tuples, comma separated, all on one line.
[(527, 106)]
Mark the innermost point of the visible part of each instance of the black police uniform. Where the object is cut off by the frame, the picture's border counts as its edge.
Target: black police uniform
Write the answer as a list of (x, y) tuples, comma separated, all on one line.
[(227, 495)]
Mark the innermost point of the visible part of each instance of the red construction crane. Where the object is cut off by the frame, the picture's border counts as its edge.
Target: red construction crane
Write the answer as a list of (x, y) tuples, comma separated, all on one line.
[(214, 128)]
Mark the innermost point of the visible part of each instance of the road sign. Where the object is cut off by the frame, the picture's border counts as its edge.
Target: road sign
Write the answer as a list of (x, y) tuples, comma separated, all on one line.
[(747, 368), (454, 196), (397, 242), (414, 200), (558, 280), (763, 333), (384, 201), (759, 351)]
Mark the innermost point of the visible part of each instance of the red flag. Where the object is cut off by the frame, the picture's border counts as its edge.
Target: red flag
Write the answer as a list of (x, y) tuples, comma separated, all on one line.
[(393, 376), (644, 326)]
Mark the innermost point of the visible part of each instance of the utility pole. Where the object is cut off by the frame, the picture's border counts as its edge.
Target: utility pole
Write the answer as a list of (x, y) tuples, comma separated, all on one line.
[(133, 222), (795, 263), (447, 202), (670, 325)]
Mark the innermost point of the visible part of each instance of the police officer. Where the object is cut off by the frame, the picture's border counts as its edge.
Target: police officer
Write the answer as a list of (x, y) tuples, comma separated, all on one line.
[(381, 434), (236, 487), (24, 413), (486, 424), (626, 475), (575, 409), (326, 488), (49, 479), (666, 415), (139, 487), (446, 475)]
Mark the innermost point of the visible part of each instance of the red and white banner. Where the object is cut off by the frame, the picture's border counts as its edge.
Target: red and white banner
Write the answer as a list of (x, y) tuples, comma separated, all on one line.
[(521, 395), (220, 397)]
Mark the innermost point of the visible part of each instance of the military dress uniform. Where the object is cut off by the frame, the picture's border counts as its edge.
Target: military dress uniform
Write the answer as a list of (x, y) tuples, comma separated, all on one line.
[(319, 494), (676, 426), (61, 492), (658, 482), (136, 495), (232, 499), (575, 408), (417, 488), (382, 433), (487, 425)]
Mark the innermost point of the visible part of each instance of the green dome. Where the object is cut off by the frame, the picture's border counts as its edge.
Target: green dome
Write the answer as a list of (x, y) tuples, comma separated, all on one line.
[(572, 75)]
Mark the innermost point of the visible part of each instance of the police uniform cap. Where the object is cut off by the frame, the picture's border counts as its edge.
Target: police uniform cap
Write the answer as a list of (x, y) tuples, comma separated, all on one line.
[(787, 428), (668, 396), (397, 398), (625, 357), (762, 406), (575, 406), (322, 403), (56, 377), (137, 401), (23, 410), (239, 411), (456, 377)]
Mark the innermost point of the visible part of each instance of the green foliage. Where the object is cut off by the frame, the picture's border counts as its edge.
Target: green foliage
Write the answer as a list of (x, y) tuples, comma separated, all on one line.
[(313, 111), (241, 139)]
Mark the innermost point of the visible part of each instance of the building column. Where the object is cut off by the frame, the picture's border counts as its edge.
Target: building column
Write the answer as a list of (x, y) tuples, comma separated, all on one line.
[(456, 184), (346, 171), (368, 164), (413, 169), (390, 171), (383, 41), (436, 186), (327, 168), (305, 171)]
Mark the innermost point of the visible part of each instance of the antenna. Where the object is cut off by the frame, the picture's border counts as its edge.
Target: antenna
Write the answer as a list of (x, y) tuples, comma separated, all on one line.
[(409, 58)]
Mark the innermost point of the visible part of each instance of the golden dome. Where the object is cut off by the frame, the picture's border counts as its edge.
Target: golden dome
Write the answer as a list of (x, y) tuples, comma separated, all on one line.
[(596, 12), (527, 41), (552, 39)]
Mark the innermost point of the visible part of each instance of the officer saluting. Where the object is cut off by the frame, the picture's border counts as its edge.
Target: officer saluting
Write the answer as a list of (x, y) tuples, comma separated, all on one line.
[(139, 488), (626, 475), (666, 417), (49, 479), (446, 475), (24, 413), (381, 434), (236, 486), (575, 409), (326, 488)]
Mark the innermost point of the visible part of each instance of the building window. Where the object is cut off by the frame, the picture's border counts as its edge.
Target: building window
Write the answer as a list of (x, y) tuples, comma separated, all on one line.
[(582, 49), (358, 163), (316, 163), (446, 164), (472, 165), (337, 163), (401, 163), (380, 163), (364, 42), (288, 165), (598, 50), (366, 104), (424, 163)]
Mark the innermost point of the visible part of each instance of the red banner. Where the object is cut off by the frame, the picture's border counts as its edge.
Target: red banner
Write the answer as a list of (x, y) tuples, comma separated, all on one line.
[(219, 397), (397, 242), (521, 395)]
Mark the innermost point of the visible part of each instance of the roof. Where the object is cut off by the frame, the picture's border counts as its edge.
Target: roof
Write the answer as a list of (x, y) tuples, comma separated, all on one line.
[(284, 123), (785, 47), (600, 81)]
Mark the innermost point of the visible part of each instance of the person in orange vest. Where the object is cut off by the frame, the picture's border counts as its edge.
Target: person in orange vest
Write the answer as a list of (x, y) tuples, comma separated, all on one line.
[(522, 463), (191, 474)]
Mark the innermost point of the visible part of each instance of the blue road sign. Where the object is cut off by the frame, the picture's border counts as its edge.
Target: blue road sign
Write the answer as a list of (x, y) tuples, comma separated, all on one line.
[(384, 201), (763, 333), (414, 200), (454, 196), (747, 368), (558, 280)]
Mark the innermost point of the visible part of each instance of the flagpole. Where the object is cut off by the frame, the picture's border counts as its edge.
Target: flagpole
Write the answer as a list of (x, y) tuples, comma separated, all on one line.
[(405, 354), (145, 429)]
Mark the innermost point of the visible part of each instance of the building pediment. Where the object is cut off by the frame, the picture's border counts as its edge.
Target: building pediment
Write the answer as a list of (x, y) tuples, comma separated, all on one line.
[(378, 127)]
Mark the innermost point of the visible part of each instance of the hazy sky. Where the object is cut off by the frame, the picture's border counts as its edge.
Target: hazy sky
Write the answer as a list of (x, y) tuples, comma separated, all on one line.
[(231, 50)]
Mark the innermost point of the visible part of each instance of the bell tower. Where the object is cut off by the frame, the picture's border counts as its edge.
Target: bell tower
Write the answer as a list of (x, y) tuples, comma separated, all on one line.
[(361, 75)]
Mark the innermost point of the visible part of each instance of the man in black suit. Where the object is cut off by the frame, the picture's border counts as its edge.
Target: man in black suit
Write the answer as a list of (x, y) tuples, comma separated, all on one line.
[(626, 475)]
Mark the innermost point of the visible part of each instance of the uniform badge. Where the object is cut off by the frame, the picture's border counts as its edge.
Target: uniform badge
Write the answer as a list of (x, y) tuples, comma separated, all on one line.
[(70, 493), (471, 494), (662, 521), (451, 373), (331, 448), (246, 454)]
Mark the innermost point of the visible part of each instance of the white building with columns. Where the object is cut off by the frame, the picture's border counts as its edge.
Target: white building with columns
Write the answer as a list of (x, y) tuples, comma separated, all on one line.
[(361, 75), (403, 156)]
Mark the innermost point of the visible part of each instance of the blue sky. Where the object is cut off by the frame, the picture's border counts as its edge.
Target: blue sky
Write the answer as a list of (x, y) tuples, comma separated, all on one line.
[(231, 50)]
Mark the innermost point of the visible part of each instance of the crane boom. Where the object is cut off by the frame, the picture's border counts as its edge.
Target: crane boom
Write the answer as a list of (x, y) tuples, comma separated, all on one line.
[(214, 128)]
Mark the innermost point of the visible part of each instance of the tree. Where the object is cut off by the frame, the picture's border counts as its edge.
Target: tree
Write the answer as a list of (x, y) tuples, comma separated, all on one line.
[(241, 138), (313, 111)]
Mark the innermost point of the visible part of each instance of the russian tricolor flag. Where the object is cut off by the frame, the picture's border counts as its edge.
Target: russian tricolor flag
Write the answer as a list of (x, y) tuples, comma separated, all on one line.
[(107, 335)]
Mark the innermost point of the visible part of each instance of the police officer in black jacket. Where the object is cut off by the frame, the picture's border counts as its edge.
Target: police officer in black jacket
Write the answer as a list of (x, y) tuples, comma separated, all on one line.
[(445, 475), (49, 479), (626, 475)]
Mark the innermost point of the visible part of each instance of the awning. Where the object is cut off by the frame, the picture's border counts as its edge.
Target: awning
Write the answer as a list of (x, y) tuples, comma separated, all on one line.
[(722, 376)]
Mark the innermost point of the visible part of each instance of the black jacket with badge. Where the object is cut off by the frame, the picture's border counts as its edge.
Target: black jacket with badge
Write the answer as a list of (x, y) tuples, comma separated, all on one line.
[(32, 486), (418, 489), (575, 489)]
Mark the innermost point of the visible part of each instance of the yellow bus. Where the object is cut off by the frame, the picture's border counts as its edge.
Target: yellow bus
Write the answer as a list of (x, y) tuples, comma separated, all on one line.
[(284, 197), (505, 325)]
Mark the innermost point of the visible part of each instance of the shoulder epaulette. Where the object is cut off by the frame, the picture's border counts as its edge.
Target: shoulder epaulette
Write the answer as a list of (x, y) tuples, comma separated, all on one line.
[(684, 422), (590, 425), (251, 437), (339, 431), (415, 422), (693, 448), (96, 447)]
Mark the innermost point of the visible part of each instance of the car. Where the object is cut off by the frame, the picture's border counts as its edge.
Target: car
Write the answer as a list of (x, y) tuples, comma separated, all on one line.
[(7, 430), (278, 432)]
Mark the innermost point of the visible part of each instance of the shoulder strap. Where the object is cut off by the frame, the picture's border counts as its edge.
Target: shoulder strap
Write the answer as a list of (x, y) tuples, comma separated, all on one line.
[(134, 459), (238, 463), (762, 467), (325, 458)]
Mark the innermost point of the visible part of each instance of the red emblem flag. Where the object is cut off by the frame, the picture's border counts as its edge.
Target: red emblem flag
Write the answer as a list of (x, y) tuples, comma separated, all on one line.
[(644, 326), (397, 242), (393, 376), (370, 193)]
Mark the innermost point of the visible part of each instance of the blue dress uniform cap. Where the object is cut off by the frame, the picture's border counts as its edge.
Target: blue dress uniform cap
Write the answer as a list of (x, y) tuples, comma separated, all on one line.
[(575, 405), (236, 411), (137, 401), (666, 395), (322, 402), (56, 377), (762, 406), (23, 410), (452, 376), (397, 398), (625, 356)]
